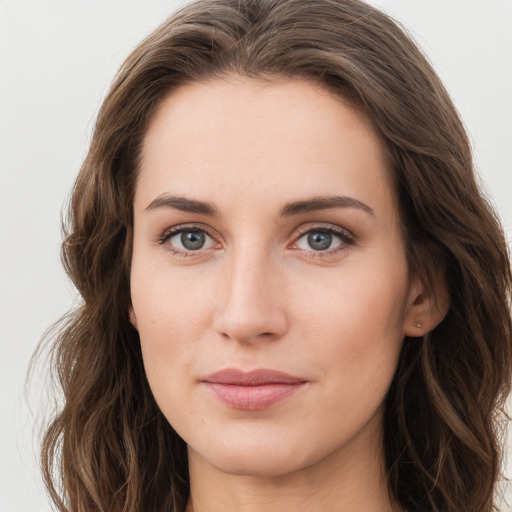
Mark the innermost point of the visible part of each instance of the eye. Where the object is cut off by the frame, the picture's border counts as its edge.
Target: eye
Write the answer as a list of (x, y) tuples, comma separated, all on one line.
[(189, 240), (323, 239), (318, 240), (182, 240)]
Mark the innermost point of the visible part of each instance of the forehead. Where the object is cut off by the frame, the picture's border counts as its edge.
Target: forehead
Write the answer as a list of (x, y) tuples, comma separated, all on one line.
[(240, 138)]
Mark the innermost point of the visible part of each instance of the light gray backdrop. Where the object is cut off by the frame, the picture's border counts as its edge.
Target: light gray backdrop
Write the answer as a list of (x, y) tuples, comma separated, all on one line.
[(57, 58)]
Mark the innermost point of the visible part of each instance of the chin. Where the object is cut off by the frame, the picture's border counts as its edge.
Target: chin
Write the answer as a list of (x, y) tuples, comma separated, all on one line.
[(257, 465), (263, 459)]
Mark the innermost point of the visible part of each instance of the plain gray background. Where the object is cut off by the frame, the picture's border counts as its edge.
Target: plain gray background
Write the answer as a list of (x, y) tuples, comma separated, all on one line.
[(57, 58)]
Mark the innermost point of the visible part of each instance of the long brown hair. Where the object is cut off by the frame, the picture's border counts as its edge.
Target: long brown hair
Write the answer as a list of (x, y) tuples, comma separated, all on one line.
[(110, 448)]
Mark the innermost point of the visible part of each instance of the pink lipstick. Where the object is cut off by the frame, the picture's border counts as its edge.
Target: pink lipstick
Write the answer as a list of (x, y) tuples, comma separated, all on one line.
[(254, 390)]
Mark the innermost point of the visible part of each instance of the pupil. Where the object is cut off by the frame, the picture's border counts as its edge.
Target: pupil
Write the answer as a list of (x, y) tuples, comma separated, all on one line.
[(319, 241), (192, 240)]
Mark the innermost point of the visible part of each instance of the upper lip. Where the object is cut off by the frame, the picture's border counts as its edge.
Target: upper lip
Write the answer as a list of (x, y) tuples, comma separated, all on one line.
[(259, 377)]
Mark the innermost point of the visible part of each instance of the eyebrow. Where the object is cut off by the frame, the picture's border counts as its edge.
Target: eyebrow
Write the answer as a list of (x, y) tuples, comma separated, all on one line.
[(290, 209), (324, 203), (183, 204)]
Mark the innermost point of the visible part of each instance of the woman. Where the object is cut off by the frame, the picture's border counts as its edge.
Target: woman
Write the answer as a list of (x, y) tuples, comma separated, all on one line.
[(294, 295)]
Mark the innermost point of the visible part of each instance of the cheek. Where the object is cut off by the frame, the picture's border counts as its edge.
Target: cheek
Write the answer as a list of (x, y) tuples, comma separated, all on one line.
[(356, 301), (172, 313), (168, 299), (355, 323)]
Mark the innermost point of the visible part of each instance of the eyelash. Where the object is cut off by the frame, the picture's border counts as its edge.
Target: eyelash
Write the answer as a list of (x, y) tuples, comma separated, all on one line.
[(346, 239), (183, 228)]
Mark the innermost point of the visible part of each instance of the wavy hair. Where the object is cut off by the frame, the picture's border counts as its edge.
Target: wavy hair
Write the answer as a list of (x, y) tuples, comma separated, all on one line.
[(110, 448)]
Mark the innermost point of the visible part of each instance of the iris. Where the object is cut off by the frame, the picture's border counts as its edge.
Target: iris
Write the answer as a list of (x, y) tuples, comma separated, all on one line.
[(319, 240)]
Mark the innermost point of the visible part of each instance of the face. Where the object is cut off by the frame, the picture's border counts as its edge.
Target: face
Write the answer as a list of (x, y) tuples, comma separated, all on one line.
[(268, 280)]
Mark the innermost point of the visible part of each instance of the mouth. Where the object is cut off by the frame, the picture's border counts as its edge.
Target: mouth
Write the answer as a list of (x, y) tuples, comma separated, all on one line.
[(254, 390)]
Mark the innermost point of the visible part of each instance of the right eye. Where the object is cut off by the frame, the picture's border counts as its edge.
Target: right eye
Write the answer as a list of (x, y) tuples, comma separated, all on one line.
[(185, 240)]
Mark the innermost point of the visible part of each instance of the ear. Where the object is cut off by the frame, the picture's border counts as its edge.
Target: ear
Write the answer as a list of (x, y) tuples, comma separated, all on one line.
[(427, 306), (133, 318)]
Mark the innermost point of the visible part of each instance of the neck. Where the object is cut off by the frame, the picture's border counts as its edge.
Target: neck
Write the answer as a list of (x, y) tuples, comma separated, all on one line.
[(352, 479)]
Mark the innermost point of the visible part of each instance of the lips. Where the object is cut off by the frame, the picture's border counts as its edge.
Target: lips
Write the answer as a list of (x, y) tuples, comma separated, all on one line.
[(254, 390)]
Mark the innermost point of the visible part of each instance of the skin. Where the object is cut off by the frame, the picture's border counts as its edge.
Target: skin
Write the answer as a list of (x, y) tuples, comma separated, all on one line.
[(258, 295)]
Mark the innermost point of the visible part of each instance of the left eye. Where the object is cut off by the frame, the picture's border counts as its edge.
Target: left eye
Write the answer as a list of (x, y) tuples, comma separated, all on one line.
[(191, 240), (319, 240)]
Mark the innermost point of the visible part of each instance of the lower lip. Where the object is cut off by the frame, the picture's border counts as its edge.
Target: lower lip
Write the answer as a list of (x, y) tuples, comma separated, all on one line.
[(253, 398)]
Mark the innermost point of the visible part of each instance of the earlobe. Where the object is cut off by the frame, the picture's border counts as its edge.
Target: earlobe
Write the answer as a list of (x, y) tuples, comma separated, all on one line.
[(427, 308), (133, 318)]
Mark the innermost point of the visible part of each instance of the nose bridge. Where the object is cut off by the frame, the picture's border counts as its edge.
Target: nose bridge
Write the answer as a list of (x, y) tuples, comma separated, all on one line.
[(249, 306)]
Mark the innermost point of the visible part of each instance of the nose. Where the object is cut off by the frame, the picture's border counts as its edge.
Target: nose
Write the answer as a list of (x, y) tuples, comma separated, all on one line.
[(251, 305)]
